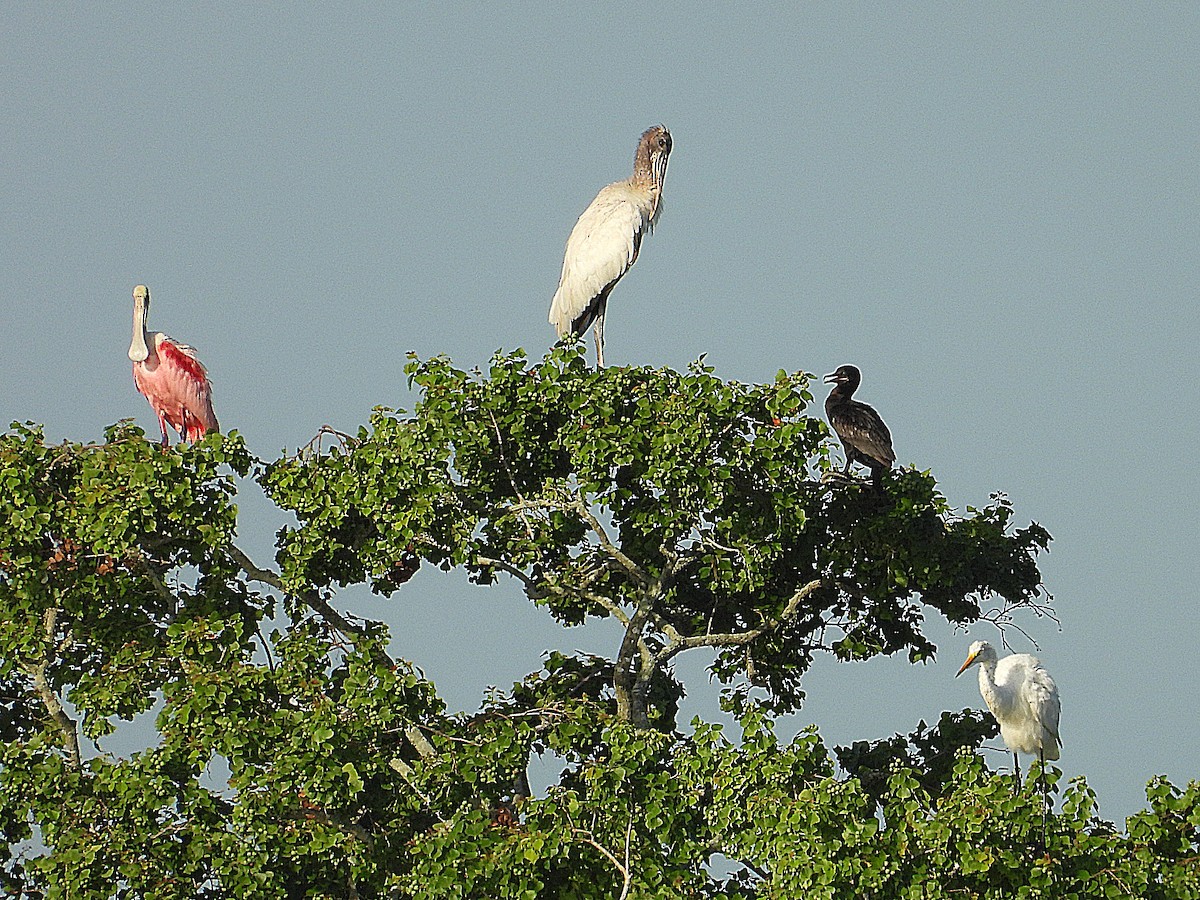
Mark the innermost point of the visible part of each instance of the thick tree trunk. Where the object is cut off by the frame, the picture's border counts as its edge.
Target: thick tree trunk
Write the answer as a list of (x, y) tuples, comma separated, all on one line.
[(629, 681)]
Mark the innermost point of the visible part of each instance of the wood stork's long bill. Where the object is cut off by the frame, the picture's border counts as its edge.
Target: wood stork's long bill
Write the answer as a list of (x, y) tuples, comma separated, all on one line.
[(138, 350), (650, 161)]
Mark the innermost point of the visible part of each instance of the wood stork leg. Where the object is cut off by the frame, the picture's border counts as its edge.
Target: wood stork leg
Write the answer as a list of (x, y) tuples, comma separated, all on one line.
[(1017, 770), (598, 332)]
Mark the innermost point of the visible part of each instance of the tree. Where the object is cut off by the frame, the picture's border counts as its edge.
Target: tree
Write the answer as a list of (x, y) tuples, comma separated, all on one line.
[(295, 758), (688, 508)]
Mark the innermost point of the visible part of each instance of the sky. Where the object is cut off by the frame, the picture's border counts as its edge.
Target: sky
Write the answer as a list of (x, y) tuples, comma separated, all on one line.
[(989, 208)]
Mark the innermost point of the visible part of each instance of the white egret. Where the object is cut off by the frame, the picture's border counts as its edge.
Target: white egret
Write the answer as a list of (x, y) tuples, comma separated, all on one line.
[(607, 238), (1023, 698)]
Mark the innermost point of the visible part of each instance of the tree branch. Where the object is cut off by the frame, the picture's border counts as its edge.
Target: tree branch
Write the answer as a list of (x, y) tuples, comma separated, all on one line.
[(737, 639), (253, 572), (588, 838), (66, 725), (532, 590), (539, 590), (140, 560), (315, 601), (636, 572)]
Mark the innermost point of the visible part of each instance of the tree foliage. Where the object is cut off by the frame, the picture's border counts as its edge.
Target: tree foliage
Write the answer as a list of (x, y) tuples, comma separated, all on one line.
[(293, 757)]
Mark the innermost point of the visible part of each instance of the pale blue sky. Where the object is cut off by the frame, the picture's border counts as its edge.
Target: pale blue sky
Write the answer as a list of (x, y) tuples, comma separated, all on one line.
[(990, 208)]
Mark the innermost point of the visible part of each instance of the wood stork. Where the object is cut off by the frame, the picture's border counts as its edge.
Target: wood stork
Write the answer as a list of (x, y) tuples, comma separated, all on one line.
[(170, 376), (864, 436), (1023, 698), (607, 238)]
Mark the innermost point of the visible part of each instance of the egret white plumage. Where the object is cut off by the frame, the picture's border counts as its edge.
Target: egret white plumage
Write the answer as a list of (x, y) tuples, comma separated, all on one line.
[(1023, 698), (606, 240), (170, 375)]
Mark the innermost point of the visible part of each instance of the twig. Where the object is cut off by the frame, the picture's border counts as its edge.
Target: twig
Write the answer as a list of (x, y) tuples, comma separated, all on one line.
[(343, 439)]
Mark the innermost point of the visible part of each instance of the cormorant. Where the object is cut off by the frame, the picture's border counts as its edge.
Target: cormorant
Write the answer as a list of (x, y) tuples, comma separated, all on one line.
[(864, 436)]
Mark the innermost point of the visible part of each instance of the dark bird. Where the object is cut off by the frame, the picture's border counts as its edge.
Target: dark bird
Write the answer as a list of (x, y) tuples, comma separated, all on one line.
[(607, 238), (864, 436)]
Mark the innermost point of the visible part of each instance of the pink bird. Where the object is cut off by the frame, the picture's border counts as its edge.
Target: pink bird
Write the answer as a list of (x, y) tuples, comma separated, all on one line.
[(169, 375)]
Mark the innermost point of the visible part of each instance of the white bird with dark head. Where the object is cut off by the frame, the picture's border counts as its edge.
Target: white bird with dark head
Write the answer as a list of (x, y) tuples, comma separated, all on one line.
[(1023, 698), (607, 238)]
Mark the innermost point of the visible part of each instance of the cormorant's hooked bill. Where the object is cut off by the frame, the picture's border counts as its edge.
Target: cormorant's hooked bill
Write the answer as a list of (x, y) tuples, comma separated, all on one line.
[(864, 436)]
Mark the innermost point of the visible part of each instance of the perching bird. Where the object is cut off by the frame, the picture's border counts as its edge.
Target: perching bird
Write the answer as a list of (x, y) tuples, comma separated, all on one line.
[(605, 241), (1023, 698), (170, 376), (864, 436)]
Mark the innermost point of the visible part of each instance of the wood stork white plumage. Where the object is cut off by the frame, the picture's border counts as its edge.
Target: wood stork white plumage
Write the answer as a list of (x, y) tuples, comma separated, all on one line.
[(1023, 698), (607, 238), (170, 375)]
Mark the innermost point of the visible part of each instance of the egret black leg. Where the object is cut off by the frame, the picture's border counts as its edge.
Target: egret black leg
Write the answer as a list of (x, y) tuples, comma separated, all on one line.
[(1017, 770)]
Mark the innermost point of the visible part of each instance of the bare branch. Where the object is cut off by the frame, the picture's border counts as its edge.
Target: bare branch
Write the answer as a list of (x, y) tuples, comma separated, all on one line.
[(1003, 619), (636, 572), (316, 445), (738, 639), (315, 601), (588, 838), (37, 671)]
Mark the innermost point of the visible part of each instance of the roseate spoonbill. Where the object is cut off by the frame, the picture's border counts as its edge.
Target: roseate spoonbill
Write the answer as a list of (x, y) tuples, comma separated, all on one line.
[(169, 375), (864, 436), (605, 241), (1023, 698)]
